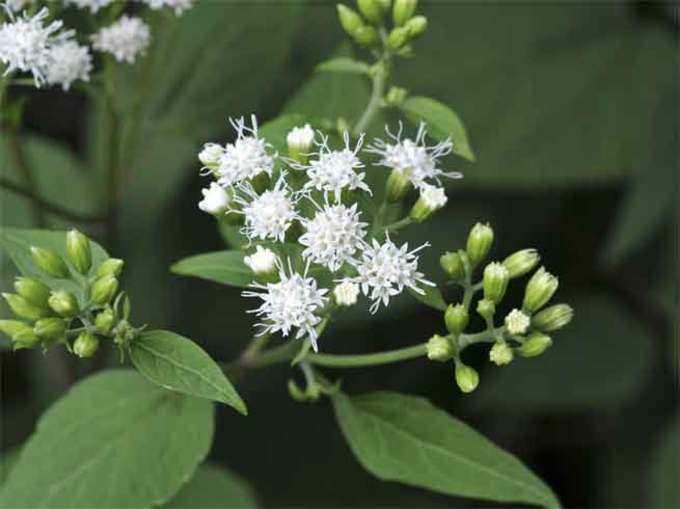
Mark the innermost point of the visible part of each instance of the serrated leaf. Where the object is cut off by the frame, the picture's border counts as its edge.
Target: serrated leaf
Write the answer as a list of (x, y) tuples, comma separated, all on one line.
[(114, 441), (406, 439), (442, 123), (177, 363), (432, 297), (225, 267), (343, 65), (214, 487)]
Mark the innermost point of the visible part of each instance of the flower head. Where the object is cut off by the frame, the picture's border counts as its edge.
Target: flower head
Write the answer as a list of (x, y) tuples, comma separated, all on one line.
[(210, 154), (93, 5), (333, 236), (262, 261), (69, 62), (178, 5), (413, 158), (292, 303), (517, 322), (125, 39), (215, 200), (346, 293), (300, 139)]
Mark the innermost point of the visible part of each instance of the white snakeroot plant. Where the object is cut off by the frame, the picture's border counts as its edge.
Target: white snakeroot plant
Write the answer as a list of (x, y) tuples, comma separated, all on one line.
[(215, 200), (300, 139), (346, 293), (69, 62), (126, 39), (262, 262), (516, 322)]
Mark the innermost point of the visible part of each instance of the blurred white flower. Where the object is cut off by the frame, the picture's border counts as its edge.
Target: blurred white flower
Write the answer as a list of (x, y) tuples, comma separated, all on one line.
[(125, 39), (300, 139), (346, 293), (179, 6), (69, 61), (210, 155), (17, 5), (215, 199), (516, 322), (262, 261), (93, 5)]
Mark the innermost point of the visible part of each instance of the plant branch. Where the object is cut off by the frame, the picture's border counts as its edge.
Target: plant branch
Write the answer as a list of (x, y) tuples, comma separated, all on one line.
[(19, 157)]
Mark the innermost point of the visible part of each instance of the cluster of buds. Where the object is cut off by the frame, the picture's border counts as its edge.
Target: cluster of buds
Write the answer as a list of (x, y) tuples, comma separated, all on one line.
[(367, 26), (524, 330), (72, 301)]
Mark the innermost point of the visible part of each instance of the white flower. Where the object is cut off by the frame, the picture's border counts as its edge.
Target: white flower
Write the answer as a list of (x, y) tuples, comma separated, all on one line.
[(385, 270), (17, 5), (125, 39), (215, 199), (269, 215), (516, 322), (333, 236), (413, 158), (433, 197), (247, 157), (334, 170), (300, 139), (292, 303), (93, 5), (262, 261), (210, 154), (26, 43), (346, 293), (69, 62), (178, 5)]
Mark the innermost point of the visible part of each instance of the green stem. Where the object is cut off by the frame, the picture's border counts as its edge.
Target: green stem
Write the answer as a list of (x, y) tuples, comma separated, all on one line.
[(372, 359), (378, 81), (114, 168), (398, 225)]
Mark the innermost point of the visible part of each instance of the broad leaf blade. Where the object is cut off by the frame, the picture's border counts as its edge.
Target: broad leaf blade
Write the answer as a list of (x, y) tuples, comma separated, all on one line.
[(343, 65), (225, 267), (214, 487), (113, 441), (177, 363), (432, 297), (406, 439)]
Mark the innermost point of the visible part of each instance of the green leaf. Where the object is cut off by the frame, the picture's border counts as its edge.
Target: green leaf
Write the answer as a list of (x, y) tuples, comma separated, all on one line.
[(432, 297), (225, 267), (177, 363), (344, 65), (114, 440), (664, 488), (214, 487), (442, 123), (406, 439)]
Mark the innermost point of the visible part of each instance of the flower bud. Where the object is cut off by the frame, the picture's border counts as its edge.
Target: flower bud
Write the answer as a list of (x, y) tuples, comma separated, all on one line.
[(479, 242), (495, 282), (535, 345), (397, 186), (397, 38), (49, 262), (299, 141), (432, 198), (416, 26), (365, 35), (85, 345), (63, 303), (452, 265), (33, 291), (25, 338), (501, 354), (552, 318), (295, 392), (486, 309), (539, 290), (403, 10), (210, 155), (104, 321), (215, 200), (79, 251), (521, 262), (110, 267), (516, 322), (349, 19), (396, 96), (50, 328), (346, 294), (372, 10), (103, 290), (24, 309), (456, 318), (466, 377), (11, 328), (439, 349), (263, 263)]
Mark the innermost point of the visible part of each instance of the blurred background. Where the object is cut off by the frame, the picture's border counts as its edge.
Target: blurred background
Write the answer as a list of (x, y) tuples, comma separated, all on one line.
[(572, 111)]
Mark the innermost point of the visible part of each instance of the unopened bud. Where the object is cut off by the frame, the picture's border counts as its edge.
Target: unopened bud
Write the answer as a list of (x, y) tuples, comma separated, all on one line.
[(25, 339), (452, 264), (479, 242), (495, 282), (535, 345), (403, 10), (210, 155), (521, 262), (439, 349), (486, 309), (397, 38), (263, 263), (372, 10), (216, 199), (49, 262), (456, 318), (104, 321), (416, 26), (63, 303), (365, 35), (346, 294), (397, 186), (32, 290), (85, 345), (432, 198), (12, 328), (103, 290), (553, 317), (396, 96), (539, 290), (299, 141), (349, 19), (501, 354), (24, 309), (516, 322), (110, 267), (50, 328), (79, 251), (466, 377)]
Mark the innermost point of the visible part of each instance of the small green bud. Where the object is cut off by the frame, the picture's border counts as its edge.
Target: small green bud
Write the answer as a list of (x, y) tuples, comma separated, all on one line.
[(372, 10), (11, 328), (396, 96), (365, 35), (521, 262), (85, 345), (495, 282), (33, 291), (403, 10), (456, 318), (501, 354), (24, 309), (416, 26), (535, 345), (539, 290), (49, 262), (50, 328), (103, 290), (553, 318), (79, 251), (110, 267), (397, 38), (486, 309), (479, 242), (466, 377), (431, 199), (295, 392), (439, 348), (452, 264), (25, 339), (104, 321), (397, 186), (63, 303), (349, 19)]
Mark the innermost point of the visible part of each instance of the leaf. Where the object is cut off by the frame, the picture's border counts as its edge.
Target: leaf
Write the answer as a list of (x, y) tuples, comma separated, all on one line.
[(113, 441), (343, 65), (225, 267), (664, 488), (177, 363), (214, 487), (432, 297), (406, 439), (442, 123)]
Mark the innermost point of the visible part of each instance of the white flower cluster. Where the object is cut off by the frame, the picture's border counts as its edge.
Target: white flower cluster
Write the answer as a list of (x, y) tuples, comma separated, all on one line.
[(303, 213)]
